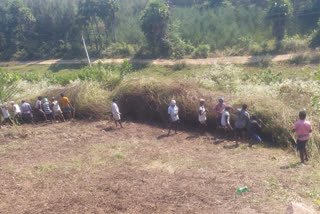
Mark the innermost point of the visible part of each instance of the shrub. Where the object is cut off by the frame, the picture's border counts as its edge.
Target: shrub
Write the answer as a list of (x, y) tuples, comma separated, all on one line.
[(120, 50), (294, 44), (201, 52), (266, 61)]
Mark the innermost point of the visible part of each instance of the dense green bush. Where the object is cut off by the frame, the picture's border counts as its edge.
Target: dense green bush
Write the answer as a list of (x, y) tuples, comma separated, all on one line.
[(120, 50), (201, 52)]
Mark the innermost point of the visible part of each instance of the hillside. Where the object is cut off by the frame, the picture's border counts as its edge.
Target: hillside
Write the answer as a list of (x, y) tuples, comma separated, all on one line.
[(78, 167)]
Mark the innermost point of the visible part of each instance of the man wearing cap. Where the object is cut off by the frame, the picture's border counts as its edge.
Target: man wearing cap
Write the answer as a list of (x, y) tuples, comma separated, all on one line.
[(225, 118), (202, 115), (219, 110), (26, 109), (116, 113), (173, 112), (16, 110), (5, 113)]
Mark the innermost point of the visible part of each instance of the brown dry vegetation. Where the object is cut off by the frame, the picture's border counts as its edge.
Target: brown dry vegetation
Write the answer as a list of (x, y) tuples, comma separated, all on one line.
[(80, 167)]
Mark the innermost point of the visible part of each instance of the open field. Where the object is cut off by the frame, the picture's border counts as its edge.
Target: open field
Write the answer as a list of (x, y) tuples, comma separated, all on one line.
[(81, 167)]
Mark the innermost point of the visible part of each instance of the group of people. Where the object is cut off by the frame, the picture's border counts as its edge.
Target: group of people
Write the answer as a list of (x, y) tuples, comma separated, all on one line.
[(43, 109), (244, 125)]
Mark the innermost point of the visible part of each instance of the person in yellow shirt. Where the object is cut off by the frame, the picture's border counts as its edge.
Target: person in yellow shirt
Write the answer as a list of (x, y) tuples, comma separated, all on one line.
[(66, 106)]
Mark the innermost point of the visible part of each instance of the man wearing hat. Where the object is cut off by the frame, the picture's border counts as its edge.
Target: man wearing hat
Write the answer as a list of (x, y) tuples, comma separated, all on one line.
[(173, 112), (202, 115), (219, 110)]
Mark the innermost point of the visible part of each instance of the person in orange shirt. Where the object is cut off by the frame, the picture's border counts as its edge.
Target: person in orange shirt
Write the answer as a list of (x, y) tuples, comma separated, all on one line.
[(66, 106)]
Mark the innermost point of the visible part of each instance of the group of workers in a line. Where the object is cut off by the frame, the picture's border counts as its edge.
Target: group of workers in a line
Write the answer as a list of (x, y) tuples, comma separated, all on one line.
[(43, 110), (244, 124)]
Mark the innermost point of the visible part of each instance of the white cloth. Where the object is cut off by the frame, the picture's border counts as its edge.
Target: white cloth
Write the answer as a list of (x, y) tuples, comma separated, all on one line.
[(5, 112), (115, 111), (26, 108), (202, 116), (173, 112), (225, 114), (56, 108), (16, 109), (38, 104)]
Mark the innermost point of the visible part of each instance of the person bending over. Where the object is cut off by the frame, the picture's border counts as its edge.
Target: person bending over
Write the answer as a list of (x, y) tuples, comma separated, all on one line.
[(302, 128), (241, 124), (254, 127), (66, 106)]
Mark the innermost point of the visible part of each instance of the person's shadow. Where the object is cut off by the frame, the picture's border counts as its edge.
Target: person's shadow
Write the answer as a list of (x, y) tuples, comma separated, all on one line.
[(294, 165), (162, 136)]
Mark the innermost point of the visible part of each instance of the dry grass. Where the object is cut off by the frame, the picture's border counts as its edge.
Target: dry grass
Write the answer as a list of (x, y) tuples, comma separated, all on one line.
[(78, 167)]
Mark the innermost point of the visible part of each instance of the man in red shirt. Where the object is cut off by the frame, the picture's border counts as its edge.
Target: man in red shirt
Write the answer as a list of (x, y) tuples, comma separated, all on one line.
[(219, 109)]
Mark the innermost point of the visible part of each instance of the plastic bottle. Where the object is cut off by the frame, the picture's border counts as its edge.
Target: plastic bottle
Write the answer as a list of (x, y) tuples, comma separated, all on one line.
[(242, 189)]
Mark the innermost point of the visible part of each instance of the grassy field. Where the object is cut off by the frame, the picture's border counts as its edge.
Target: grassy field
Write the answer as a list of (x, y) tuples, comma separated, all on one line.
[(81, 167)]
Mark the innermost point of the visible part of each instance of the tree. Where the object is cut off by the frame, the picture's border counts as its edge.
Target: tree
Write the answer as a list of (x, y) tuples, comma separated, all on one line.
[(315, 41), (278, 14), (154, 22)]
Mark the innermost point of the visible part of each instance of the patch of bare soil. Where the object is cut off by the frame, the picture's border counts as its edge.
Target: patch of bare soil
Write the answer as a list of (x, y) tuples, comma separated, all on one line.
[(79, 167)]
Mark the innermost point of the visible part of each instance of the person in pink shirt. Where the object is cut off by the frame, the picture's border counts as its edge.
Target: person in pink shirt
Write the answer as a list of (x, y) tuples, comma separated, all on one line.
[(303, 129), (220, 107)]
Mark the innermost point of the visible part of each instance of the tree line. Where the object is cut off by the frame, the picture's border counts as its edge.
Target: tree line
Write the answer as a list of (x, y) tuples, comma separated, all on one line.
[(40, 29)]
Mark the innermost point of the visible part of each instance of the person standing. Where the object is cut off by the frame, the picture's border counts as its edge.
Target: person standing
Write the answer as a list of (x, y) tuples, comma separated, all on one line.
[(302, 128), (173, 112), (220, 107), (39, 110), (17, 111), (26, 109), (116, 113), (202, 115), (66, 106), (225, 118), (241, 123), (6, 114), (57, 113)]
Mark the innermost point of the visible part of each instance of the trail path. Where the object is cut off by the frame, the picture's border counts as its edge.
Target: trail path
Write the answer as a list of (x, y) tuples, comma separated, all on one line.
[(208, 61), (81, 167)]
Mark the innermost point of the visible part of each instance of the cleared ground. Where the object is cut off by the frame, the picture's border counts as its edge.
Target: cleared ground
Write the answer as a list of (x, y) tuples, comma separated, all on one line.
[(80, 167)]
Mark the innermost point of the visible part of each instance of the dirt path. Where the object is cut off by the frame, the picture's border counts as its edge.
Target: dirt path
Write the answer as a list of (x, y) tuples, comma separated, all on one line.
[(219, 60), (79, 167)]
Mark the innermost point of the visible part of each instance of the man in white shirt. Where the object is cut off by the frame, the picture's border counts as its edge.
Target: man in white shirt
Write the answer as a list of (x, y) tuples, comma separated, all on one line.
[(116, 113), (16, 110), (202, 115), (57, 112), (225, 118), (173, 112)]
